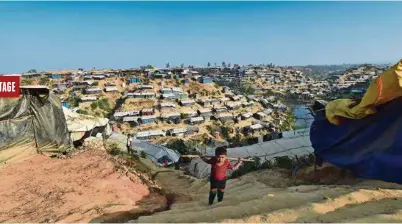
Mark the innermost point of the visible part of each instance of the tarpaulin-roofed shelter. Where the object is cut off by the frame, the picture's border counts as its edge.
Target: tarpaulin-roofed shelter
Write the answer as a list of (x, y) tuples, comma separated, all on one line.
[(80, 125), (370, 147), (366, 138), (296, 145), (33, 123), (160, 155), (384, 88)]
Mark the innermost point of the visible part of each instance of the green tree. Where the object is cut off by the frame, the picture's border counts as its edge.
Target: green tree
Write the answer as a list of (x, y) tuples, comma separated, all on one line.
[(225, 132), (82, 111), (209, 65), (104, 105), (236, 139), (211, 129), (179, 145), (94, 105), (289, 122), (143, 154)]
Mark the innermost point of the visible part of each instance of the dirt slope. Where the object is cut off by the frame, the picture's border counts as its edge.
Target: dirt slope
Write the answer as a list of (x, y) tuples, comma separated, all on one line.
[(88, 188), (270, 196), (82, 188)]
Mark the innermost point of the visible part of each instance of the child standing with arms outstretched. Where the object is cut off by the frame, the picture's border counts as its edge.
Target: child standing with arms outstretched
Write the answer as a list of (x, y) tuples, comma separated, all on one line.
[(220, 164)]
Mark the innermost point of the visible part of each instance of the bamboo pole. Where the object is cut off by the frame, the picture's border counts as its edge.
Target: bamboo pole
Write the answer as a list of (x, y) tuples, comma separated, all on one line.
[(229, 158)]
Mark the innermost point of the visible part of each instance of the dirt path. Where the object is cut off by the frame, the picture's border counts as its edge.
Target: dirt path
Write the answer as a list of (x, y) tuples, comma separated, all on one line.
[(271, 196)]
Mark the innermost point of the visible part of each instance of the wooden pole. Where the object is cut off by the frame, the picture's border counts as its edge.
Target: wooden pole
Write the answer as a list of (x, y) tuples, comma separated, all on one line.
[(229, 158)]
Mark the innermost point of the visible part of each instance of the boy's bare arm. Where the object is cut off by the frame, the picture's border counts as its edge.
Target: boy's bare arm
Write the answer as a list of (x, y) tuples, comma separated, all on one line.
[(238, 164), (205, 159)]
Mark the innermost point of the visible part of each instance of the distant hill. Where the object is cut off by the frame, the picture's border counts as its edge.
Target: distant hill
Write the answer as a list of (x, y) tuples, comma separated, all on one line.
[(323, 70)]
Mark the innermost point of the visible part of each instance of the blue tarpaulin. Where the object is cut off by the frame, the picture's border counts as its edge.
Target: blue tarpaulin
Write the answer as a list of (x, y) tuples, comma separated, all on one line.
[(370, 147)]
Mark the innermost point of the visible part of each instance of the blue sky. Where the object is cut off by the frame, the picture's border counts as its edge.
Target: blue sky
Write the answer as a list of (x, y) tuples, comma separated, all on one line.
[(62, 35)]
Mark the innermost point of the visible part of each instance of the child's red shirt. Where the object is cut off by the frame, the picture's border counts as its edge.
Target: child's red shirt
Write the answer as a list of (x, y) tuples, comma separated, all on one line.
[(218, 173)]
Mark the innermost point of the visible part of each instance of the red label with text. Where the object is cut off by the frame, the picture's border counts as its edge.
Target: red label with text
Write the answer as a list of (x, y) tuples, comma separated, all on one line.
[(9, 86)]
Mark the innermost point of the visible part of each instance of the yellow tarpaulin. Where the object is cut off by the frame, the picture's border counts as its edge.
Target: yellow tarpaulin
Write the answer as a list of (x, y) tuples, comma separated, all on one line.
[(385, 88)]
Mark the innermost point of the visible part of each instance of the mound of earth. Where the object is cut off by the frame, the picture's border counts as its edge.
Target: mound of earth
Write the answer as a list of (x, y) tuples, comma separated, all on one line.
[(83, 188), (274, 196)]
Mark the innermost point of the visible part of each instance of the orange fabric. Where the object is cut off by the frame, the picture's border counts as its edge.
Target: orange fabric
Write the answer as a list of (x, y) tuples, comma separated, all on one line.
[(385, 88)]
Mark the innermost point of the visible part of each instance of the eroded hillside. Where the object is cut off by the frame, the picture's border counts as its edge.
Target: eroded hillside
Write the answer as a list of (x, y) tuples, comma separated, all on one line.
[(272, 196)]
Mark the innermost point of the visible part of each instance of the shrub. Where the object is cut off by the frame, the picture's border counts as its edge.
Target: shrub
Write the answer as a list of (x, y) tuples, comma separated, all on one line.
[(143, 155), (80, 111), (43, 80), (104, 105), (225, 132), (94, 105), (211, 129), (183, 116), (26, 81), (247, 167), (179, 145), (113, 149), (284, 162)]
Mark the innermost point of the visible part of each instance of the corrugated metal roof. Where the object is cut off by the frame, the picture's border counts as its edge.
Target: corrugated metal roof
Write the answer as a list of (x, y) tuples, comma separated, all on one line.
[(168, 105), (178, 130), (195, 119), (128, 119), (34, 87), (125, 113), (145, 86), (224, 115), (156, 132), (148, 117), (187, 101), (111, 89), (147, 110), (155, 152), (205, 110), (190, 112), (176, 89), (89, 98), (94, 89), (167, 95), (299, 146), (256, 126)]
